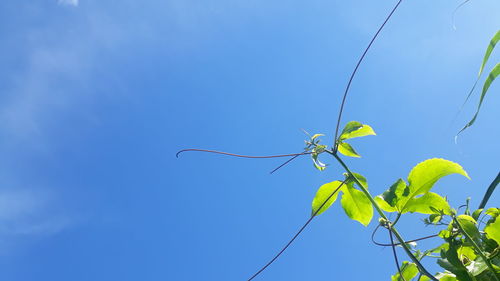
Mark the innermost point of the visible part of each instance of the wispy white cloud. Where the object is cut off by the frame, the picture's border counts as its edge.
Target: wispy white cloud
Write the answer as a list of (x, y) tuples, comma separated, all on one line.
[(29, 213), (68, 2)]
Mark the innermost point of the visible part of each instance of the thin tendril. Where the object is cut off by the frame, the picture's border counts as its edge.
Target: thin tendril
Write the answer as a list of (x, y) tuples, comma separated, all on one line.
[(397, 244), (356, 69), (284, 163), (453, 18), (239, 155), (395, 254), (297, 234)]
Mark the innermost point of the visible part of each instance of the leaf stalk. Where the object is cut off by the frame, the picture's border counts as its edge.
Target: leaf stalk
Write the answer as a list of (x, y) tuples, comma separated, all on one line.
[(382, 214), (476, 247)]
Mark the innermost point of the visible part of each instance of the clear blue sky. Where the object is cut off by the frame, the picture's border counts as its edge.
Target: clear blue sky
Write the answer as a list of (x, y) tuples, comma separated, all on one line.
[(96, 97)]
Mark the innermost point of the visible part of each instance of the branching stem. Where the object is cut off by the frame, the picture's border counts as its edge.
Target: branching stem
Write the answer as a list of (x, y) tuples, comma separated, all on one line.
[(476, 248), (382, 214), (356, 69), (297, 234), (239, 155)]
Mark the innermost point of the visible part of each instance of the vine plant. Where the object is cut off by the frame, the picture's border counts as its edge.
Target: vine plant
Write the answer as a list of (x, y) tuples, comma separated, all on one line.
[(470, 249)]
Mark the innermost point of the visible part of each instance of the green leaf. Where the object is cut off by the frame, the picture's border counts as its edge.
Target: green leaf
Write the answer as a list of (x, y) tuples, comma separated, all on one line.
[(347, 150), (466, 252), (487, 54), (426, 203), (359, 177), (445, 277), (477, 267), (317, 164), (493, 212), (409, 270), (469, 226), (316, 136), (425, 174), (490, 48), (393, 195), (491, 77), (423, 278), (355, 129), (384, 205), (493, 230), (356, 205), (476, 214), (452, 263), (322, 195)]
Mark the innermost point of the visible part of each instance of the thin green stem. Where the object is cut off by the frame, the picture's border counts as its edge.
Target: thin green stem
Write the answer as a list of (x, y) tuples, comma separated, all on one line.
[(382, 214), (476, 247), (396, 219)]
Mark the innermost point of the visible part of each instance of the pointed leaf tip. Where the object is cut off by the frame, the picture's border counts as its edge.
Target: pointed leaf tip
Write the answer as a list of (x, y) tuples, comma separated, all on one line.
[(324, 194), (355, 129)]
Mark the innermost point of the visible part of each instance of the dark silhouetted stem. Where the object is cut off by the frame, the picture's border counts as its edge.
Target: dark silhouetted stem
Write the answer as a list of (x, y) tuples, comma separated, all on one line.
[(354, 73), (239, 155), (297, 234)]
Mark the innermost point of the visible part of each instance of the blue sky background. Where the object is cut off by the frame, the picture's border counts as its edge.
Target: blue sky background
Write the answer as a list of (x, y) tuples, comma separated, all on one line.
[(97, 96)]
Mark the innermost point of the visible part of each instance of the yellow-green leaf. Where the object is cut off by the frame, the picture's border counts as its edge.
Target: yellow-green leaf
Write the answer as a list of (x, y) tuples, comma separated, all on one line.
[(490, 48), (356, 205), (322, 195), (347, 150), (395, 193), (409, 270), (469, 225), (384, 205), (355, 129), (493, 230), (422, 204), (491, 77), (423, 176)]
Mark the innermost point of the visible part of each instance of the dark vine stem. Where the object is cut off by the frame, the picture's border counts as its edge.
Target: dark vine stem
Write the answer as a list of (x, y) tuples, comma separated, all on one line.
[(383, 216), (239, 155), (489, 191), (284, 163), (297, 234), (397, 244), (394, 253), (354, 73), (477, 248)]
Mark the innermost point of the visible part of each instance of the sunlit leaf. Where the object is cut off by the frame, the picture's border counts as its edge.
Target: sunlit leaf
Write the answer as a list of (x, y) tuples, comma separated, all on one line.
[(451, 262), (491, 77), (356, 205), (322, 195), (361, 179), (487, 54), (477, 267), (469, 225), (317, 164), (425, 174), (490, 48), (409, 270), (384, 205), (493, 230), (445, 277), (466, 252), (316, 136), (347, 150), (393, 195), (355, 129), (424, 203), (493, 212), (476, 214)]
